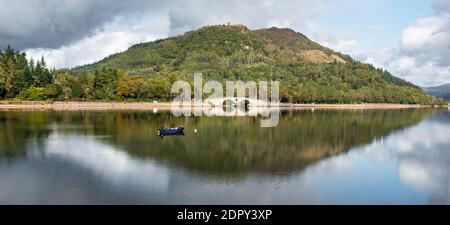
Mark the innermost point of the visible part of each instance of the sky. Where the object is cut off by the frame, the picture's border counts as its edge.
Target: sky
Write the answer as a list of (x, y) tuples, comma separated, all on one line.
[(409, 38)]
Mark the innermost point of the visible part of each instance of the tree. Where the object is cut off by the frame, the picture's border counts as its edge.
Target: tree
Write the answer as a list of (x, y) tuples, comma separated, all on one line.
[(22, 77), (34, 94), (53, 91), (2, 76), (9, 65), (41, 75), (123, 89)]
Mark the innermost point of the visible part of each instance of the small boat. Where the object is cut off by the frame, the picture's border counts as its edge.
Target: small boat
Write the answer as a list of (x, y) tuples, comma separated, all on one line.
[(171, 131)]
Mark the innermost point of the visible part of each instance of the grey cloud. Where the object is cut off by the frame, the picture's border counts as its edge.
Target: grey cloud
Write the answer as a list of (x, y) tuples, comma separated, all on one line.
[(53, 23), (441, 5)]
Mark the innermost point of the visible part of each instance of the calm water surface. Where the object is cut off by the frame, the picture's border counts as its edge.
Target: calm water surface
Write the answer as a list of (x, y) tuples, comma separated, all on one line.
[(321, 157)]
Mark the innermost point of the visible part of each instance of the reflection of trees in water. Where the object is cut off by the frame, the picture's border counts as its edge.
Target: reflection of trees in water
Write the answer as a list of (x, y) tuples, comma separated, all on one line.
[(18, 130), (230, 146), (237, 145), (223, 146), (21, 129)]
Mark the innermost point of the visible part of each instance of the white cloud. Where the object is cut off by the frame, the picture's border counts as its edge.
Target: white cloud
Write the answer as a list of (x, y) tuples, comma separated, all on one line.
[(405, 63), (418, 174), (414, 68), (344, 46), (115, 166), (378, 57), (428, 39), (423, 52), (423, 33), (112, 38)]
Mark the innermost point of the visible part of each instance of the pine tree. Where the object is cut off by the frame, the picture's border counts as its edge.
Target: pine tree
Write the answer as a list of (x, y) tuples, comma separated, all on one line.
[(2, 75), (47, 77), (31, 66), (37, 74), (41, 75), (10, 60), (22, 77)]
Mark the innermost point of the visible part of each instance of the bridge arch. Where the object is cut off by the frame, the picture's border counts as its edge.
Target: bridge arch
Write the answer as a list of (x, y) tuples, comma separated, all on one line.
[(229, 102), (235, 102), (244, 103)]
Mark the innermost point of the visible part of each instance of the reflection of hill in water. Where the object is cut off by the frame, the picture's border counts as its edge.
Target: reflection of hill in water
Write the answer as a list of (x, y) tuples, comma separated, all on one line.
[(223, 146), (230, 146)]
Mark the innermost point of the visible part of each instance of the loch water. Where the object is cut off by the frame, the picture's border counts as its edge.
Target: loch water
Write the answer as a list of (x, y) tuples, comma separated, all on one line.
[(310, 157)]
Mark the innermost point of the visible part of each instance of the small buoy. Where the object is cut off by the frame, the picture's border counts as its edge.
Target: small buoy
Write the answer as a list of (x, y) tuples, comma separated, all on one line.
[(195, 131)]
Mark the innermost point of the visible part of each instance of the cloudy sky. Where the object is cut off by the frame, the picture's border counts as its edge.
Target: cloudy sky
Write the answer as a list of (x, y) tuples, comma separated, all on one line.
[(410, 38)]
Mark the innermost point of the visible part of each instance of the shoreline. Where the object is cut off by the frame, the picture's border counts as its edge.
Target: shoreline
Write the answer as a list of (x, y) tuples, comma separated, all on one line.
[(167, 105)]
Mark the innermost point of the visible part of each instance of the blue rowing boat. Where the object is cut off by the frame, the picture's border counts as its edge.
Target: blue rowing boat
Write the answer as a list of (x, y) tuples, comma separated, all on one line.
[(171, 131)]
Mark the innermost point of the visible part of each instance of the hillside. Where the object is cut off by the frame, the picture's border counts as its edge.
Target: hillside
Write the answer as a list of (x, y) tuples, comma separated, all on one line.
[(211, 47), (441, 91), (307, 71)]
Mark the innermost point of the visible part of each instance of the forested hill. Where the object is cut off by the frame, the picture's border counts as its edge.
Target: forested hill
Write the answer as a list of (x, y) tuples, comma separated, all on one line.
[(441, 91), (307, 71)]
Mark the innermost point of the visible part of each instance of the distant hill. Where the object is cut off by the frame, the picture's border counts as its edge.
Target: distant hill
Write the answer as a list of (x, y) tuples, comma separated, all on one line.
[(307, 71), (441, 91)]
